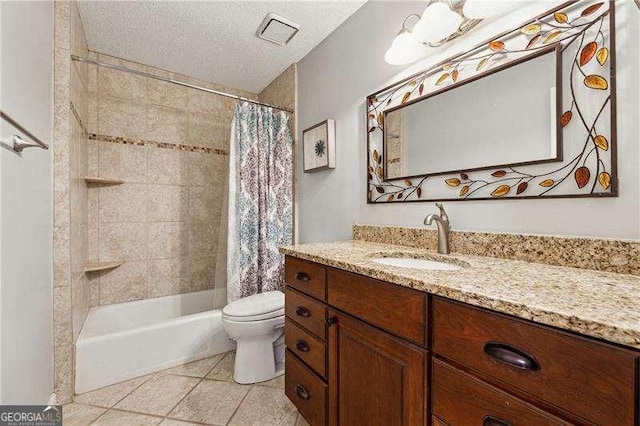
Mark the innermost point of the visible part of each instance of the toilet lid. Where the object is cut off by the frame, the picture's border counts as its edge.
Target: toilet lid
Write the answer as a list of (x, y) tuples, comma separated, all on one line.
[(261, 304)]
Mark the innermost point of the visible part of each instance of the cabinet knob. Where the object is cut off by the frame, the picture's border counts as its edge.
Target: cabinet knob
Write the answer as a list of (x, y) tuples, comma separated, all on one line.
[(494, 421), (301, 311), (301, 276), (510, 355), (302, 346), (302, 392), (331, 321)]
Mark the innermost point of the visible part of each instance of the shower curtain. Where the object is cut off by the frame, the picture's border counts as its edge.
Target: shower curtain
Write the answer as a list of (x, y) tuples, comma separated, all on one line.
[(260, 200)]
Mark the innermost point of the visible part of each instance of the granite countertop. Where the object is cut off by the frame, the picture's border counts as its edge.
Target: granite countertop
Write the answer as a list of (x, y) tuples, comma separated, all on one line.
[(605, 305)]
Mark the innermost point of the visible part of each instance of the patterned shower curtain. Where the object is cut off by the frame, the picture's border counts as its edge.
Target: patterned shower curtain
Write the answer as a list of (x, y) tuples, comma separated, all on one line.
[(260, 213)]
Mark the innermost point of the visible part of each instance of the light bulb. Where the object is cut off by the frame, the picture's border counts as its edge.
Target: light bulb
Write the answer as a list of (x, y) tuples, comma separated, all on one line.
[(480, 9), (437, 23), (405, 49)]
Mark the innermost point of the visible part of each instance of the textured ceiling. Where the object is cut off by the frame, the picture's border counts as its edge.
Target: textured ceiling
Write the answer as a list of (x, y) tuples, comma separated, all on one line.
[(211, 40)]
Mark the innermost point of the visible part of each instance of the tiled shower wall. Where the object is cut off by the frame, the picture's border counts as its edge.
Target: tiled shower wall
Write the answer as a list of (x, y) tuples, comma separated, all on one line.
[(170, 146), (71, 286)]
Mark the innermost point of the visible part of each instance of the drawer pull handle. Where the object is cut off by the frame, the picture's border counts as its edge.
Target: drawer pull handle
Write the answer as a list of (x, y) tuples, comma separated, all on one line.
[(510, 355), (301, 276), (331, 321), (302, 392), (302, 346), (494, 421), (303, 312)]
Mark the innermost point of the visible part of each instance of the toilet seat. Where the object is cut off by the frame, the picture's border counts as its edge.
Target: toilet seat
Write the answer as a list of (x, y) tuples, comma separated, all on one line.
[(258, 307)]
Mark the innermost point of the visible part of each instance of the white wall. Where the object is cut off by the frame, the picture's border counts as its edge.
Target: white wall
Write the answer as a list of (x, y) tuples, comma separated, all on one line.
[(26, 82), (335, 78)]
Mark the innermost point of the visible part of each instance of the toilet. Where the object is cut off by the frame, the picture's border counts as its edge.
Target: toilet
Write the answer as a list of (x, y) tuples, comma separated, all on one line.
[(256, 323)]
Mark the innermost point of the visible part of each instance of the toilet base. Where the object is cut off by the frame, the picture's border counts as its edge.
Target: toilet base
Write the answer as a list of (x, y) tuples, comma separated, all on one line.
[(259, 360)]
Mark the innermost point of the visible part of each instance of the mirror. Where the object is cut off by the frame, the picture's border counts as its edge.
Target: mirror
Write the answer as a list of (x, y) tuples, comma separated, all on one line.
[(506, 117)]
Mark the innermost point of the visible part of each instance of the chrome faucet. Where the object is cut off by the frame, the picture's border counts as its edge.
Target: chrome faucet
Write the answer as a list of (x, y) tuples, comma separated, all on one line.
[(444, 226)]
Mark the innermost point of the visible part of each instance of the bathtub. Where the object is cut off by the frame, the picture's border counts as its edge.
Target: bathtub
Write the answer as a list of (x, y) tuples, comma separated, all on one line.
[(126, 340)]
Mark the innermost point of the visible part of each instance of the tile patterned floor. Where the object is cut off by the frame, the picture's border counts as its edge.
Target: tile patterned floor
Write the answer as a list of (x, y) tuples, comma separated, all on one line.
[(201, 392)]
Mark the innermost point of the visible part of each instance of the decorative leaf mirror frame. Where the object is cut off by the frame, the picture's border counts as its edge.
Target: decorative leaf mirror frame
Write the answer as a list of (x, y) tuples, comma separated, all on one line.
[(583, 31)]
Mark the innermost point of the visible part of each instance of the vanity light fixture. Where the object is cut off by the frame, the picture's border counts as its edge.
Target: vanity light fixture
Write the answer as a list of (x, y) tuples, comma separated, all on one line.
[(441, 22)]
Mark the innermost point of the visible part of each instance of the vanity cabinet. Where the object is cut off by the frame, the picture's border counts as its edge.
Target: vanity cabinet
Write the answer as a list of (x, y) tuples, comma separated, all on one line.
[(361, 351), (375, 378)]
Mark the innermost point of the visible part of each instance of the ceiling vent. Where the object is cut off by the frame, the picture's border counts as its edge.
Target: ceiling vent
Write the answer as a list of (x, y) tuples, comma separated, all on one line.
[(277, 29)]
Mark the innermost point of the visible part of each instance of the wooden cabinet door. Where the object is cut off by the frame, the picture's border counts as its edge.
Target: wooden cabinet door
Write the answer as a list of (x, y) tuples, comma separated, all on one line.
[(374, 377)]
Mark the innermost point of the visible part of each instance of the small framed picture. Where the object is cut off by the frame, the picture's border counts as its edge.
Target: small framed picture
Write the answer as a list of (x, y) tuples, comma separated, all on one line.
[(319, 147)]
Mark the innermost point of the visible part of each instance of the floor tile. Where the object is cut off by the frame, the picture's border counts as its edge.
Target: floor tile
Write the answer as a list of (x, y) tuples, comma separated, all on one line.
[(265, 406), (196, 368), (171, 422), (122, 418), (110, 395), (224, 369), (211, 402), (301, 421), (158, 395), (278, 382), (79, 414)]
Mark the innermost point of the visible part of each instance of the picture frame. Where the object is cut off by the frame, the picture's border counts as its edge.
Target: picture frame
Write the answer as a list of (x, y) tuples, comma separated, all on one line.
[(318, 147)]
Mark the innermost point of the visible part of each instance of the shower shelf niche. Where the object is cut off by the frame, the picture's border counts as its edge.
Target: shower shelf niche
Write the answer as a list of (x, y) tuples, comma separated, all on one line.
[(100, 266), (102, 181)]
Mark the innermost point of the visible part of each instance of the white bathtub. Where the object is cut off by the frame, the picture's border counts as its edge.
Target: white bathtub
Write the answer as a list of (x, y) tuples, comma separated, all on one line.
[(126, 340)]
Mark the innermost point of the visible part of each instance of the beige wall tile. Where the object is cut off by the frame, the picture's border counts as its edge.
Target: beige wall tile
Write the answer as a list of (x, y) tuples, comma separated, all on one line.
[(63, 373), (167, 94), (93, 238), (205, 202), (167, 166), (220, 297), (94, 284), (206, 130), (62, 333), (62, 304), (123, 241), (78, 40), (126, 162), (62, 25), (168, 239), (124, 284), (119, 84), (166, 124), (167, 203), (168, 276), (121, 117), (123, 203), (204, 237), (203, 273), (203, 102), (207, 169)]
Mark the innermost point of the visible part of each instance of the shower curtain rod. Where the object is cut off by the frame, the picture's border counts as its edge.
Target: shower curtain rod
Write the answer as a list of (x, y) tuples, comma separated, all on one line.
[(179, 83)]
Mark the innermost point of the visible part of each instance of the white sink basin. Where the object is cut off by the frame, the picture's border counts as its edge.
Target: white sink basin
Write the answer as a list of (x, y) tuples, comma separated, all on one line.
[(408, 262)]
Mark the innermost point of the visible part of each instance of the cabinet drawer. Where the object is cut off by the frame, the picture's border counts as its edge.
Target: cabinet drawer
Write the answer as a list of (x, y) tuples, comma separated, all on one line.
[(306, 276), (307, 347), (461, 399), (591, 380), (399, 310), (307, 312), (307, 392)]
